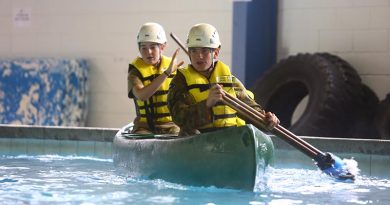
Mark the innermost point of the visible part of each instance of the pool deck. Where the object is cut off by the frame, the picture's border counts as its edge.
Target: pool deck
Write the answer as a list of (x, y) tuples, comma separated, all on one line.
[(337, 145)]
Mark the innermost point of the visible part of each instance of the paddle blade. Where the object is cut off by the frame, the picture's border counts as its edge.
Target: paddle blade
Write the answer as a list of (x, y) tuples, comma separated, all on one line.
[(334, 166)]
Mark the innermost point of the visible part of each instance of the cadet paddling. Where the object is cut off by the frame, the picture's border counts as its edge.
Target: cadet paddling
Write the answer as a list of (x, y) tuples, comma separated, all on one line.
[(327, 162)]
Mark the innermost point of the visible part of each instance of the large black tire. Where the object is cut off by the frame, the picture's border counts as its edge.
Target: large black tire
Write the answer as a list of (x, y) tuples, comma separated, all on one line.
[(363, 117), (365, 101), (382, 119), (351, 78), (328, 111)]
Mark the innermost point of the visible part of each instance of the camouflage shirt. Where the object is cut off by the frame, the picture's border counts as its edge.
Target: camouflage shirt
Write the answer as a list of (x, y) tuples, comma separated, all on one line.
[(189, 114), (133, 78)]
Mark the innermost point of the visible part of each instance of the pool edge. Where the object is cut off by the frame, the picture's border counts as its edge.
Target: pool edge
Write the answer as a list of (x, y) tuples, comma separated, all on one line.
[(337, 145)]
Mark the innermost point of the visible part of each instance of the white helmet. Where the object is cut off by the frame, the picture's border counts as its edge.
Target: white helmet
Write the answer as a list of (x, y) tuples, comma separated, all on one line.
[(151, 32), (203, 35)]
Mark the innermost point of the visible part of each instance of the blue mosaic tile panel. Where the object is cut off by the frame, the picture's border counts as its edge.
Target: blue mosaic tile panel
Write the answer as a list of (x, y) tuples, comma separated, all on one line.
[(44, 91)]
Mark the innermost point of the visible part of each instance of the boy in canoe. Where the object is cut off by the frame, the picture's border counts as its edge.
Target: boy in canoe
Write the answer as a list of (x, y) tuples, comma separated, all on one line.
[(195, 96), (148, 81)]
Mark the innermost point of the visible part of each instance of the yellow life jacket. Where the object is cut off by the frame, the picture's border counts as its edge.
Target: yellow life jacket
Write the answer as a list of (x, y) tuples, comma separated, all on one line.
[(155, 109), (198, 86)]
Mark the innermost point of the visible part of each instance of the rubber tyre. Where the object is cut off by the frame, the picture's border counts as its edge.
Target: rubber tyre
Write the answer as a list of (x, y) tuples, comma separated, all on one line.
[(382, 118), (328, 111), (364, 113), (352, 80), (365, 101)]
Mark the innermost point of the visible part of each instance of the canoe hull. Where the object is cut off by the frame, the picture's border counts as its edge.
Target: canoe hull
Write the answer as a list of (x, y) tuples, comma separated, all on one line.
[(228, 158)]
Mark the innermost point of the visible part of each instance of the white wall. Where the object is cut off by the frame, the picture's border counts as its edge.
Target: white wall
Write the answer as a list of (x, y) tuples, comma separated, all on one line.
[(104, 32), (356, 30)]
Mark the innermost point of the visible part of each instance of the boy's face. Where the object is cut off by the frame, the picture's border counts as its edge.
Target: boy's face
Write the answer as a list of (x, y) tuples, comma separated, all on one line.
[(202, 57), (151, 52)]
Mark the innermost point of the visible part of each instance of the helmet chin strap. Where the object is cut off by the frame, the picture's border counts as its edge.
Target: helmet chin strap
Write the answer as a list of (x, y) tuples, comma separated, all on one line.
[(157, 65), (210, 69), (212, 63)]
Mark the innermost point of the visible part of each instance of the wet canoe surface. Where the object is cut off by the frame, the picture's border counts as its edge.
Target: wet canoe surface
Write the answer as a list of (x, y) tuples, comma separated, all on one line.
[(228, 158)]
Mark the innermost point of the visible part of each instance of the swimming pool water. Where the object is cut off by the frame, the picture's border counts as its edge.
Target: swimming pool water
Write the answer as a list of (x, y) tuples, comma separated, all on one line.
[(42, 171), (55, 179)]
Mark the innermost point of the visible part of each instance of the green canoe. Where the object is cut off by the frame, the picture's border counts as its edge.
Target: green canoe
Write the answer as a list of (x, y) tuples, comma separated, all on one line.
[(228, 158)]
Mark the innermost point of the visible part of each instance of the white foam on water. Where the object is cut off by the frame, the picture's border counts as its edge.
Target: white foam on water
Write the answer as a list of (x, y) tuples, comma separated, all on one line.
[(352, 166), (162, 199)]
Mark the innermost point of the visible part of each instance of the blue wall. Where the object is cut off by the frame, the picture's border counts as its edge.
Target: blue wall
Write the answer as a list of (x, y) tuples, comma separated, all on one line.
[(254, 38)]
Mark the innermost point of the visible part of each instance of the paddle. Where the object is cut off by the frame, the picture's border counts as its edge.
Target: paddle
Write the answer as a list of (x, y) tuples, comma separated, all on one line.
[(327, 162)]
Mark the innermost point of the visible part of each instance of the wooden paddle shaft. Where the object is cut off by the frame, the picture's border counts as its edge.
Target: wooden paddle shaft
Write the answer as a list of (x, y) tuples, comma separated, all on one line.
[(262, 116), (279, 127), (258, 121), (176, 39)]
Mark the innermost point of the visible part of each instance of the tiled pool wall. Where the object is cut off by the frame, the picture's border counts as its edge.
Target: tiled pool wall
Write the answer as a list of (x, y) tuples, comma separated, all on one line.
[(373, 156), (342, 145), (18, 146), (43, 140)]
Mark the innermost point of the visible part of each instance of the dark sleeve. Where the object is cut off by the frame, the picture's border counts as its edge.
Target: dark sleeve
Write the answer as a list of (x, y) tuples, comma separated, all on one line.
[(185, 111), (133, 78)]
